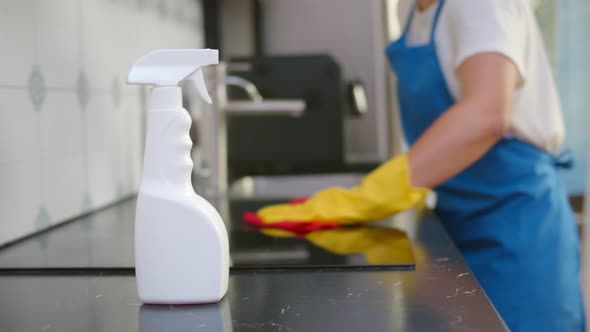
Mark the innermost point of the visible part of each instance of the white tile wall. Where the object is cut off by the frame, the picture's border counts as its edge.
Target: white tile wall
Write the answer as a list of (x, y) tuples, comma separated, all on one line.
[(63, 173), (61, 131), (17, 33), (58, 41), (20, 198), (20, 124), (71, 130), (100, 150), (63, 186)]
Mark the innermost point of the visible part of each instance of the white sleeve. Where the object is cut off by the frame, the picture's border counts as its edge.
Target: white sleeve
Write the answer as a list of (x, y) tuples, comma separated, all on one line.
[(497, 26)]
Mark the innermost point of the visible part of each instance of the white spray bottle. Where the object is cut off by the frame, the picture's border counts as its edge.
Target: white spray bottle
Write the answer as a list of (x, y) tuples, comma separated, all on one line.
[(181, 244)]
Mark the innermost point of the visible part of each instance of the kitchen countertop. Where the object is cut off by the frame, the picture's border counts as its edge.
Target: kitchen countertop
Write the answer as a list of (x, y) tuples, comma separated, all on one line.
[(104, 240), (439, 295)]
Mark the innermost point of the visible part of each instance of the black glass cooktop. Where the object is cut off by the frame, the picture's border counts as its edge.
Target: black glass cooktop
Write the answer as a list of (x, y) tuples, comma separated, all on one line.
[(104, 240)]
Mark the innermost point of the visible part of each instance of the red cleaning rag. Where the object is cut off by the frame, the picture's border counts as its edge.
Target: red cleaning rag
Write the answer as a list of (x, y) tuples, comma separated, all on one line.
[(300, 228)]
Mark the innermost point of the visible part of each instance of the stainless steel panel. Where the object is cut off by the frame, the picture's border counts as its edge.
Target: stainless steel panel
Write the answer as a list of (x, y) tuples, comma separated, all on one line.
[(354, 32), (289, 186)]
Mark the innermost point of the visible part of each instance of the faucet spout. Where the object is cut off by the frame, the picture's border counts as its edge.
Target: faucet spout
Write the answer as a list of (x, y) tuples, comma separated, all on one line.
[(215, 123), (246, 85)]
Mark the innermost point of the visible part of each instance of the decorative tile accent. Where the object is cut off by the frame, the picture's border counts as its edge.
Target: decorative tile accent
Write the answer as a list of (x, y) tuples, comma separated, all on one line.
[(43, 221), (37, 89), (82, 91)]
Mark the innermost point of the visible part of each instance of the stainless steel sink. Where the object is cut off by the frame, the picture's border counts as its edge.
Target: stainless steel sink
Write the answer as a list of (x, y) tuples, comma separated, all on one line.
[(288, 186)]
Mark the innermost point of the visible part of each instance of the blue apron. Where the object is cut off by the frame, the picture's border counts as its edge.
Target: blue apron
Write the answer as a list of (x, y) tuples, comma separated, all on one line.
[(508, 213)]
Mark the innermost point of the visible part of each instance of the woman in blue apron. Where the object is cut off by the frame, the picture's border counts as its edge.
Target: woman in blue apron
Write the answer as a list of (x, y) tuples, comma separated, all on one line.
[(507, 211), (481, 115)]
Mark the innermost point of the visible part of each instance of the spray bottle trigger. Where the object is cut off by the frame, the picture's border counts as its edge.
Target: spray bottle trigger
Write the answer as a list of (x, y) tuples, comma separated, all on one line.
[(197, 77)]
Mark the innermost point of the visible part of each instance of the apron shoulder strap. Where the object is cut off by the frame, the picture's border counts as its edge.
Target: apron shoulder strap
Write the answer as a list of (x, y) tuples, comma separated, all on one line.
[(435, 21), (409, 20)]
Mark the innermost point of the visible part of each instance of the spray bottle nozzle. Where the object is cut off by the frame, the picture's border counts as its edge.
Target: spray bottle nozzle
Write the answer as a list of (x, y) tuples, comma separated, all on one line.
[(197, 77), (169, 67)]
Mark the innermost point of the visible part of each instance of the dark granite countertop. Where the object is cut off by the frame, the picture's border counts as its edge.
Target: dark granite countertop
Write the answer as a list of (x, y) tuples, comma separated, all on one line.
[(440, 294)]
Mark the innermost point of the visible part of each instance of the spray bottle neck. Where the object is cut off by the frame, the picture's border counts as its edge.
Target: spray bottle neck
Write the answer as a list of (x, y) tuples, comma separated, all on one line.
[(168, 146), (163, 97)]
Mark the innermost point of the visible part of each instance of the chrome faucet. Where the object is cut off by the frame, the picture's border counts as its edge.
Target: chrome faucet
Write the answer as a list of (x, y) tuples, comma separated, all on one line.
[(214, 122), (246, 85)]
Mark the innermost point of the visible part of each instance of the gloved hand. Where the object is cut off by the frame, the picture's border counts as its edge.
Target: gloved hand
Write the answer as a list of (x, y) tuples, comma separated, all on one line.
[(381, 194)]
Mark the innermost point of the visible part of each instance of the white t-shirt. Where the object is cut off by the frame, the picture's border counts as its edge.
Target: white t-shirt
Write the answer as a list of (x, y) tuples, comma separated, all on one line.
[(468, 27)]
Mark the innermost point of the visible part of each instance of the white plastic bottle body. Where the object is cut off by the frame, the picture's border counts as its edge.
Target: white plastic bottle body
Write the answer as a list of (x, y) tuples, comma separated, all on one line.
[(178, 260), (181, 244)]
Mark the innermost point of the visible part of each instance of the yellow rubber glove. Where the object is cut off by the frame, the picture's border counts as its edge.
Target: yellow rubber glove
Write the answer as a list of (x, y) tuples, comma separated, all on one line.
[(381, 194)]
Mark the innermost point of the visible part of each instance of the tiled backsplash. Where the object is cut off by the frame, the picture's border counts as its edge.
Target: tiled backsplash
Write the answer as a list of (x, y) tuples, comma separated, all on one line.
[(71, 130)]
